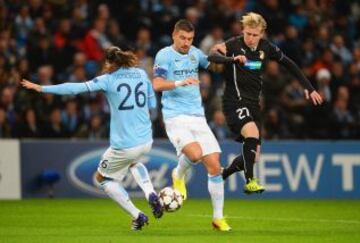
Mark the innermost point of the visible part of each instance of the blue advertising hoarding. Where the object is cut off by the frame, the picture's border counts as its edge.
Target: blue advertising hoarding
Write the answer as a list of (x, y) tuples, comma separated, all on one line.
[(287, 169)]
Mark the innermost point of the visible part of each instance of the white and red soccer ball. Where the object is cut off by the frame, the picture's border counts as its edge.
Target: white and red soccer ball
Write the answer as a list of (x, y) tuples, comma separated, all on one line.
[(170, 199)]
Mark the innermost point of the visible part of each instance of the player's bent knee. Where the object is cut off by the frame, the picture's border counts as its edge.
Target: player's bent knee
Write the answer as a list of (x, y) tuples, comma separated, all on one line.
[(193, 152), (214, 169), (195, 157), (250, 130)]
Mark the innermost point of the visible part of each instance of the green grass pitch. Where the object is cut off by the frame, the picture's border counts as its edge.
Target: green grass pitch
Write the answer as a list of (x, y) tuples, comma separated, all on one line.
[(101, 220)]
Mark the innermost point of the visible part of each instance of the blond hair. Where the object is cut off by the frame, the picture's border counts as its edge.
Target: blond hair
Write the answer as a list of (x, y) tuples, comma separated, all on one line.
[(253, 20)]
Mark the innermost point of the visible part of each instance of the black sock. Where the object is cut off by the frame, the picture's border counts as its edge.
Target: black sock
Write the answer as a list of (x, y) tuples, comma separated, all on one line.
[(236, 165), (249, 151)]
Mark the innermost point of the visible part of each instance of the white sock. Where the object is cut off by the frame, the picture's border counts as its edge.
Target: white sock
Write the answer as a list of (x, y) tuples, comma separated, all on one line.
[(216, 190), (184, 164), (142, 178), (116, 192)]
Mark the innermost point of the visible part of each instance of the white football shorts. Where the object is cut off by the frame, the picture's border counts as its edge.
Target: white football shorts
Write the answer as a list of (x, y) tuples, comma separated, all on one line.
[(185, 129), (115, 163)]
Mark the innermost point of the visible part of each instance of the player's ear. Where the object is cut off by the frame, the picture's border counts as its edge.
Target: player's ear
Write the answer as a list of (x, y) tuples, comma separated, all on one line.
[(262, 34)]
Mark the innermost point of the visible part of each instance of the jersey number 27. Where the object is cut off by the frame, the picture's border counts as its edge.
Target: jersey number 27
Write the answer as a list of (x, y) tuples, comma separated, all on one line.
[(243, 112)]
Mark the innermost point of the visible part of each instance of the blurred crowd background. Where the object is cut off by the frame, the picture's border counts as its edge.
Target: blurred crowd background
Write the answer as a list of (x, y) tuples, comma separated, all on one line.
[(56, 41)]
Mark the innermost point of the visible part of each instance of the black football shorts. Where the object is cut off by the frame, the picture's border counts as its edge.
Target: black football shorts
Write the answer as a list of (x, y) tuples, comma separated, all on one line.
[(237, 115)]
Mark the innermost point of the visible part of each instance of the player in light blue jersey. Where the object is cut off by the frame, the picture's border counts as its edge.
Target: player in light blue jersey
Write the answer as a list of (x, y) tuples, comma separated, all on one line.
[(176, 75), (130, 95)]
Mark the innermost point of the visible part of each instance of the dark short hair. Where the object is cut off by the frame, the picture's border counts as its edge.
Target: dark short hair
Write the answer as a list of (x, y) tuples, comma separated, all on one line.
[(184, 25)]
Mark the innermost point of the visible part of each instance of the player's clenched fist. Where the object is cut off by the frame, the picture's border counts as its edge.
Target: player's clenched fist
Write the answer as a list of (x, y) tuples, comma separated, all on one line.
[(240, 58)]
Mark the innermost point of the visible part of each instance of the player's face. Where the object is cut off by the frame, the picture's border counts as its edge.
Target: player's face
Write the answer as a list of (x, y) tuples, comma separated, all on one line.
[(252, 36), (183, 40)]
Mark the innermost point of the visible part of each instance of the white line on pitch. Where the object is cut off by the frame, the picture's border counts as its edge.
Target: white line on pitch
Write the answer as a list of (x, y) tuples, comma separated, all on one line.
[(340, 221)]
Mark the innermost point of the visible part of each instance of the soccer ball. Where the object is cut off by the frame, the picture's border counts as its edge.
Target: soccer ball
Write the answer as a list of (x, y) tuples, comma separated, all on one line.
[(170, 199)]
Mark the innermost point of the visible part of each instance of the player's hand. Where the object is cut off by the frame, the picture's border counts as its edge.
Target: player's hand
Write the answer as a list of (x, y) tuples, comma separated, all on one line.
[(186, 82), (30, 85), (190, 81), (240, 58), (314, 96), (219, 48)]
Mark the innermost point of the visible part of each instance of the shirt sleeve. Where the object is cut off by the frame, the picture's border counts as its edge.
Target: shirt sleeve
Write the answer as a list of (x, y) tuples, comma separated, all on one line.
[(203, 60), (65, 88), (161, 65), (217, 57), (100, 83), (295, 70), (151, 96), (229, 45), (274, 52)]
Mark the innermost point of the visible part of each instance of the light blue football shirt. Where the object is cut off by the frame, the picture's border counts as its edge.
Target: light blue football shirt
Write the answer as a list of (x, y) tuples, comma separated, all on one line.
[(130, 95), (174, 66)]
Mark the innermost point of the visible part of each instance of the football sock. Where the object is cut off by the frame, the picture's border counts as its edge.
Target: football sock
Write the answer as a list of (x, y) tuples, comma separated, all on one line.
[(116, 192), (216, 190), (142, 178), (184, 164), (249, 154), (236, 165)]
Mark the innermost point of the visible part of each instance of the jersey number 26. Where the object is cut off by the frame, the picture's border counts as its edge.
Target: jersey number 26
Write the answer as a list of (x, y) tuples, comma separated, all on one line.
[(140, 96)]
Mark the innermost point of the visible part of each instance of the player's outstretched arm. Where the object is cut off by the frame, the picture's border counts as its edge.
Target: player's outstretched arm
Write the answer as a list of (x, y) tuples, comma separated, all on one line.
[(217, 60), (161, 84), (30, 85), (221, 47), (59, 89), (310, 92), (217, 57)]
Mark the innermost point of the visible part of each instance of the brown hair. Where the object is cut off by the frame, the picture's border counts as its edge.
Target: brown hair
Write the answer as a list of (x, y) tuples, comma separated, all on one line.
[(184, 25), (115, 58)]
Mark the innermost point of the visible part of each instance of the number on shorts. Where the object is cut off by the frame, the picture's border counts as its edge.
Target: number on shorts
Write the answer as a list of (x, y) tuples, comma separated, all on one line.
[(243, 112)]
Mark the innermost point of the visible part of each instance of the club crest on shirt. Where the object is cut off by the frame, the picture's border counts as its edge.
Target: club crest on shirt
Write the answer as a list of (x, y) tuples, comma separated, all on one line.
[(177, 62), (262, 55), (156, 66), (192, 59)]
